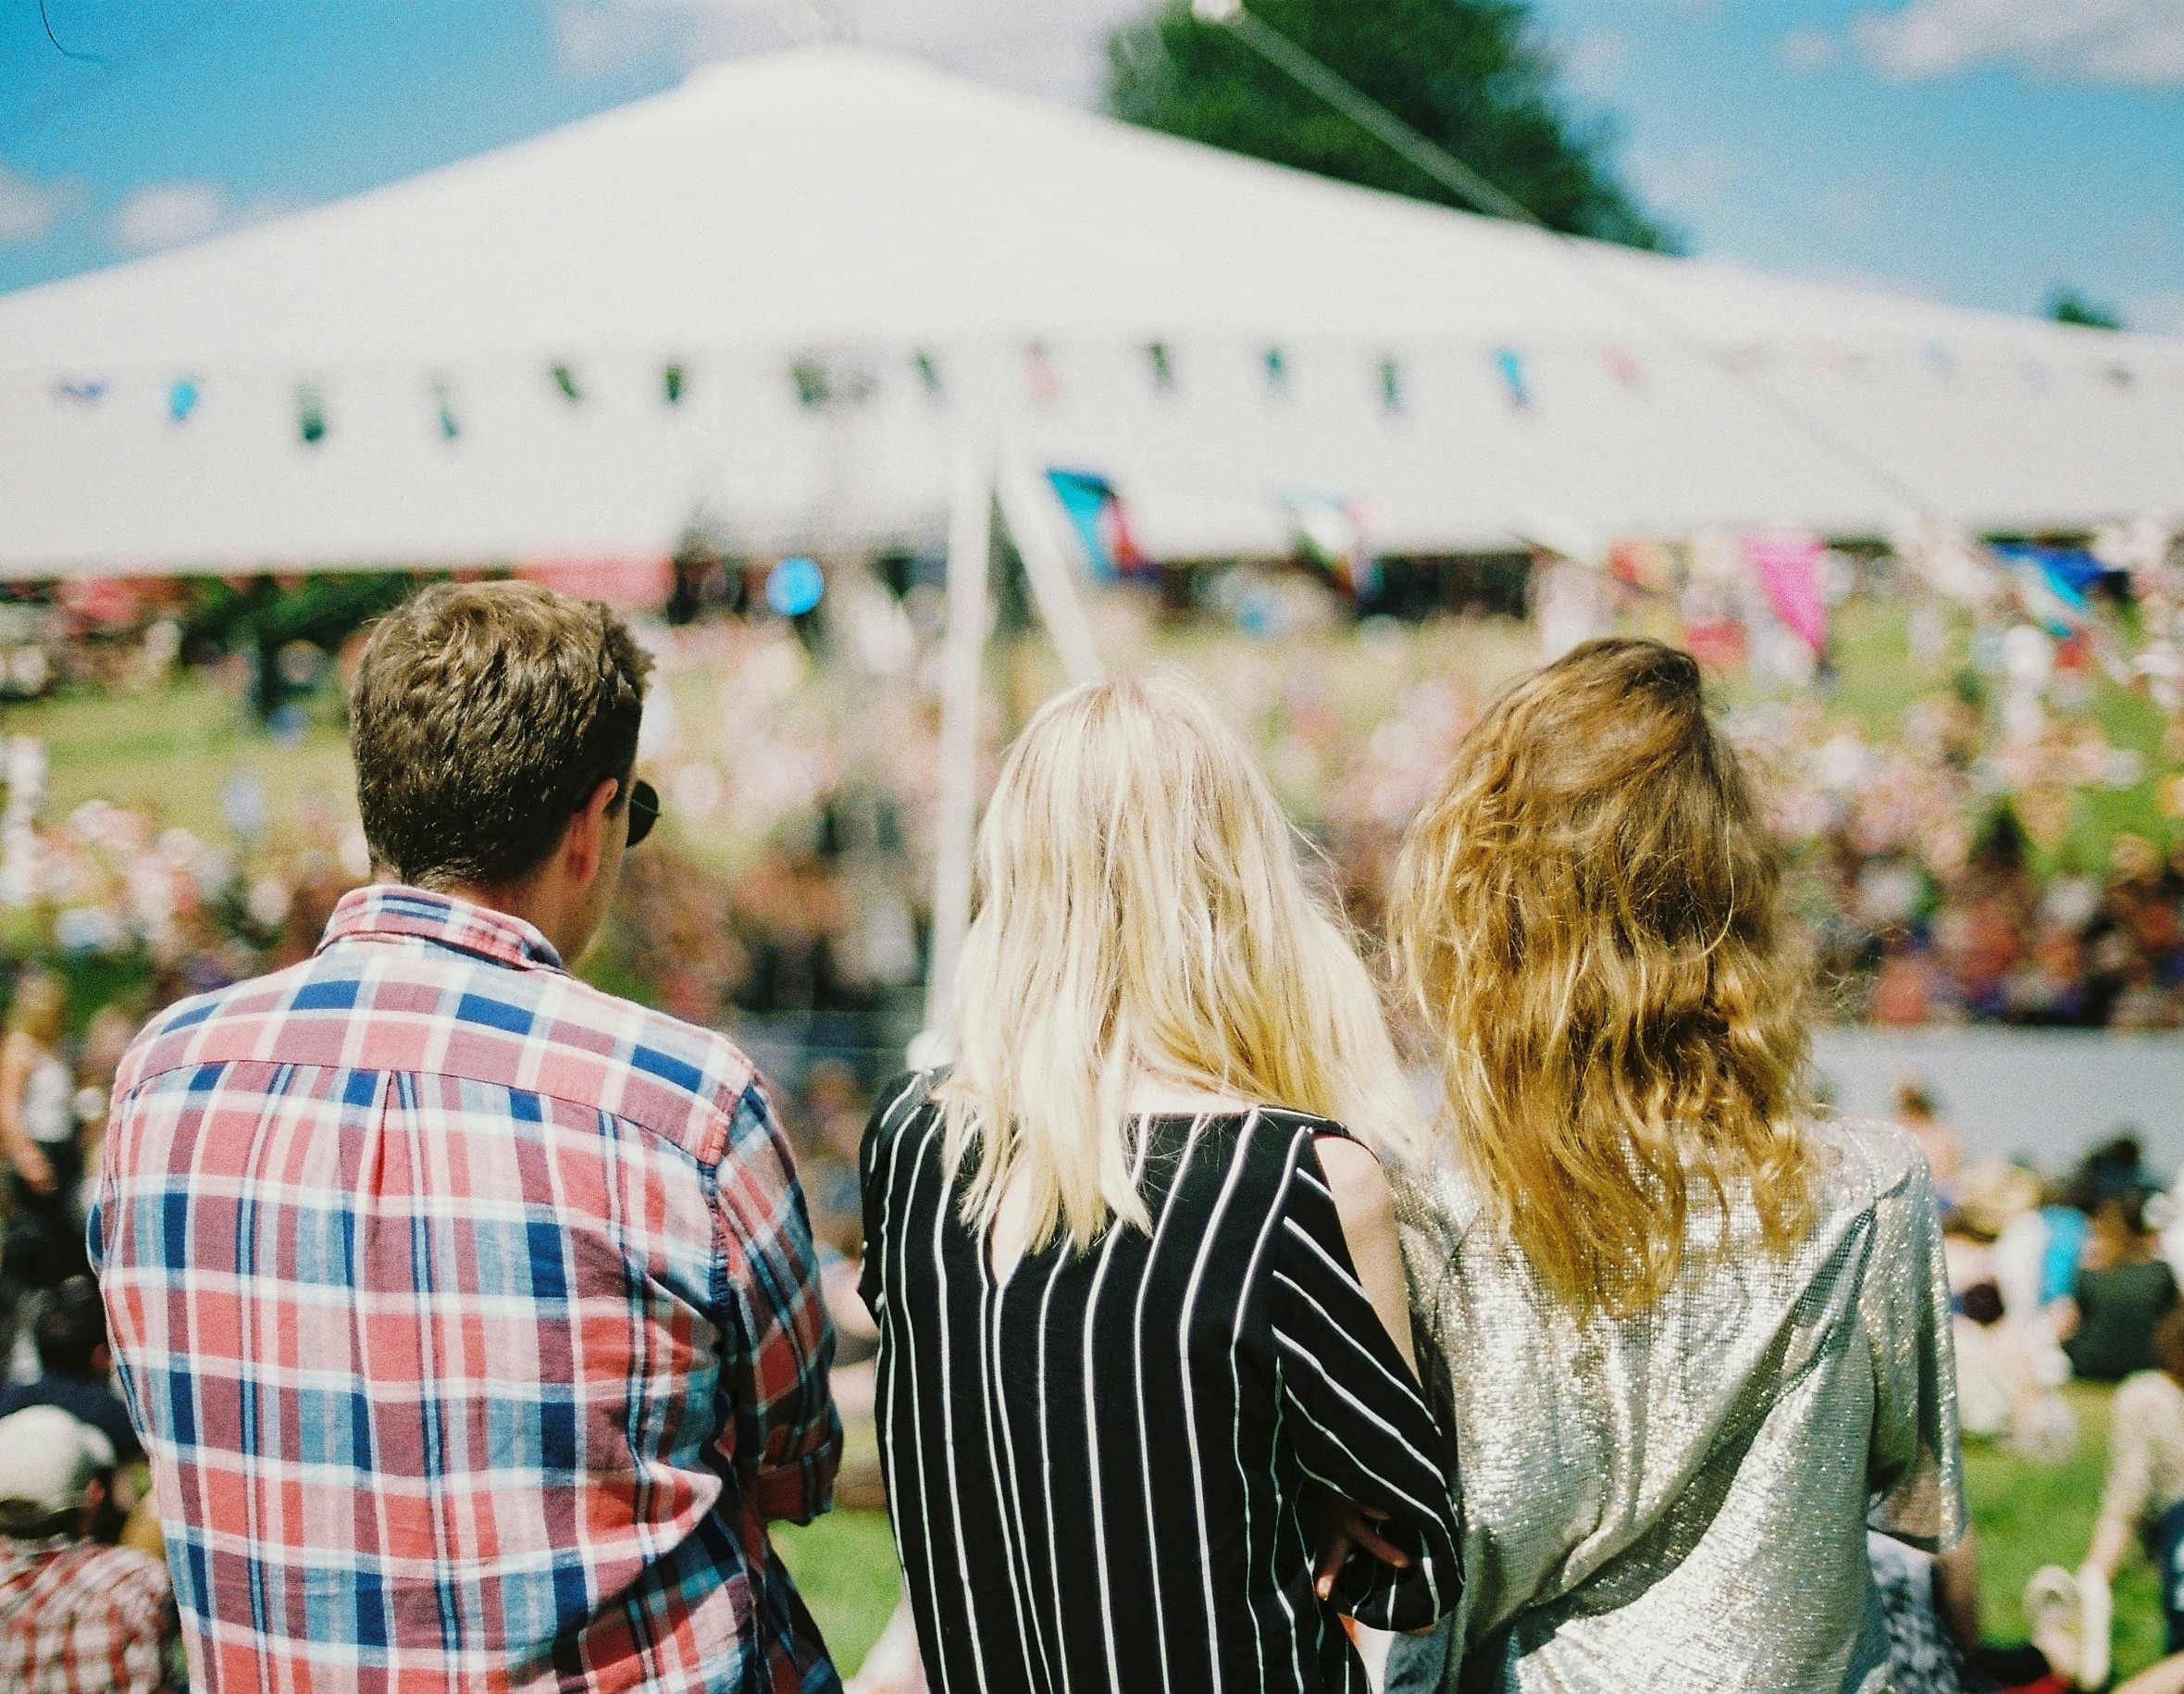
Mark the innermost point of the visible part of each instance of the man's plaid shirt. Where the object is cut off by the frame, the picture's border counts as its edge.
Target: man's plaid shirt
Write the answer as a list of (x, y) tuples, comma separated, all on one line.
[(80, 1618), (471, 1319)]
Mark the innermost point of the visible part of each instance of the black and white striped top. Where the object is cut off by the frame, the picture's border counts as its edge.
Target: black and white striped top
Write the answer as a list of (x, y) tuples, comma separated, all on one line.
[(1100, 1471)]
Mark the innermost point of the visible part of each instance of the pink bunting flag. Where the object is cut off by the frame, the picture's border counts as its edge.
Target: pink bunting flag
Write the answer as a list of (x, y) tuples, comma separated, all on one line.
[(1788, 568)]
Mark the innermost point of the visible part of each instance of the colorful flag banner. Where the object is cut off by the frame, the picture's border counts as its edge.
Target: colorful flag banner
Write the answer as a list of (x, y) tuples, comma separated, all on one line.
[(181, 399), (1331, 532), (81, 390), (1788, 568), (443, 406), (2050, 584), (1391, 385), (1101, 521), (1511, 364), (1623, 365), (311, 414), (1163, 361), (929, 377), (1038, 374), (1277, 372), (564, 379), (672, 381)]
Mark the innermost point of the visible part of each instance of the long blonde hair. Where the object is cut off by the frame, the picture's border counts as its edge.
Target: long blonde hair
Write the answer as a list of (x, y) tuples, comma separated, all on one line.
[(1586, 915), (1142, 913)]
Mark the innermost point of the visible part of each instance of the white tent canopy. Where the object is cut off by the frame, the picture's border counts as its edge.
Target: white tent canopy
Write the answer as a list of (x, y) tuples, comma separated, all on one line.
[(855, 214)]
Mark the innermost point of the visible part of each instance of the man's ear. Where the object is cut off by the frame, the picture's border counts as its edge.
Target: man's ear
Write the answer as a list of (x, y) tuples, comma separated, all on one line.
[(584, 848)]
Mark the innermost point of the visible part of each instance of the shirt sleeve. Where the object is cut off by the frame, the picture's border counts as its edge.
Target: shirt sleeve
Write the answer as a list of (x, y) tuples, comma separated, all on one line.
[(899, 1102), (1916, 1466), (781, 1431), (1358, 1419)]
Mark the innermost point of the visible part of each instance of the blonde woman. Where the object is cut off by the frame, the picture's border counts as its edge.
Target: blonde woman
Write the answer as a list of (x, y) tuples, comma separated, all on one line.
[(1140, 1300), (44, 1160), (1697, 1336)]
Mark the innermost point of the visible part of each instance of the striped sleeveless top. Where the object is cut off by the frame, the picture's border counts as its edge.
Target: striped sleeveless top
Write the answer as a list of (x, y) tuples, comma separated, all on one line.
[(1102, 1470)]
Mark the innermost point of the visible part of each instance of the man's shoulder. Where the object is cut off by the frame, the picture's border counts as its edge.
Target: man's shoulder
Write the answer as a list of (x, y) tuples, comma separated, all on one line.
[(672, 1065), (122, 1580), (429, 1011), (175, 1039)]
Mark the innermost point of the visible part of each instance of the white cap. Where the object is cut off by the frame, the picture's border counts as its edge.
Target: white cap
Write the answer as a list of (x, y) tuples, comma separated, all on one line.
[(47, 1459)]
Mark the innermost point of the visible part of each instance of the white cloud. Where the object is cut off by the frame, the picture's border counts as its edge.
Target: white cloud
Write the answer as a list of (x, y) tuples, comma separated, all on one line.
[(29, 207), (1807, 48), (1688, 181), (2108, 41), (1053, 48), (168, 213), (2155, 314)]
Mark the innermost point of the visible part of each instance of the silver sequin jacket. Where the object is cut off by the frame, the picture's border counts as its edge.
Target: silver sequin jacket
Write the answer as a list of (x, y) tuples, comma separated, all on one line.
[(1679, 1501)]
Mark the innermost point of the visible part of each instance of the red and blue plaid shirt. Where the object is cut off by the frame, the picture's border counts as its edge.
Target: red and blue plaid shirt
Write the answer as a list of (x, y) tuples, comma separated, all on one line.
[(471, 1319), (80, 1618)]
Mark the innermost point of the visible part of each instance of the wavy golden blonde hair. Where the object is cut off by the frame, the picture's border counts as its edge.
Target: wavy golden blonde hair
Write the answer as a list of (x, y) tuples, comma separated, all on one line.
[(1587, 915), (1143, 912)]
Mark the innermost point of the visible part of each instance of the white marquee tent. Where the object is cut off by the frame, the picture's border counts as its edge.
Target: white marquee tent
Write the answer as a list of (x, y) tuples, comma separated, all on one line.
[(945, 267)]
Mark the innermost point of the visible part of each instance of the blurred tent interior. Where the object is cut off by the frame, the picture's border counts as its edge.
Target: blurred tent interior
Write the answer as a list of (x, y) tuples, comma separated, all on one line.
[(777, 303)]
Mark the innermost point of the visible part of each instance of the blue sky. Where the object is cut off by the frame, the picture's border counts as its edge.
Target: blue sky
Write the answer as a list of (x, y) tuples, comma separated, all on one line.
[(1976, 150)]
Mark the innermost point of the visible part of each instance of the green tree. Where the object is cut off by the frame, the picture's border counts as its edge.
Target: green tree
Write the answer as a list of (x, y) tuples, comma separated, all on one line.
[(1469, 74), (2067, 305)]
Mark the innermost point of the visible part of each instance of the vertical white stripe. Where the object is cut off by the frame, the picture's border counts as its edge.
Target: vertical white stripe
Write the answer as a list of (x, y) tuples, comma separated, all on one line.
[(1182, 1349), (1047, 1477), (1145, 1282), (990, 1411), (1266, 1232), (948, 1425), (1107, 1615), (899, 1317)]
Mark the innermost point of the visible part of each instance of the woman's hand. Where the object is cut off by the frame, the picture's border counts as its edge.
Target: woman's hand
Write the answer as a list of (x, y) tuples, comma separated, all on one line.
[(1347, 1527)]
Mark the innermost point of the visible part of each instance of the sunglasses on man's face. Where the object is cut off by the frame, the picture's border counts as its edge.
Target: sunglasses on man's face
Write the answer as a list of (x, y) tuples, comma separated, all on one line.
[(644, 811)]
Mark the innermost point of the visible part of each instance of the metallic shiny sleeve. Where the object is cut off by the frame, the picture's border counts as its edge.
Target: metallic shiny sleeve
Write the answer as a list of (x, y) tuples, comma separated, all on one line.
[(1915, 1468)]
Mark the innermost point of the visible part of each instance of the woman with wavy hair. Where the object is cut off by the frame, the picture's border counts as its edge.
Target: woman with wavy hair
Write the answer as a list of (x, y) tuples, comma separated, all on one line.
[(1143, 1335), (1696, 1332)]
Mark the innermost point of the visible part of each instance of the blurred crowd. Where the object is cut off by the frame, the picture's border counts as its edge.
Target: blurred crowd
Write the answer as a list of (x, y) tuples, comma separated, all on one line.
[(1970, 838)]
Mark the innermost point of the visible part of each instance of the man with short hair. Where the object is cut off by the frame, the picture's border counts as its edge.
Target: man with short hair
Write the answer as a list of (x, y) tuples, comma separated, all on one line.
[(76, 1617), (471, 1316), (69, 1331)]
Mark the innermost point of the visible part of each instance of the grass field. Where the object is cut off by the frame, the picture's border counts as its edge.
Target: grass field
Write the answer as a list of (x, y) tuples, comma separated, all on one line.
[(2026, 1516)]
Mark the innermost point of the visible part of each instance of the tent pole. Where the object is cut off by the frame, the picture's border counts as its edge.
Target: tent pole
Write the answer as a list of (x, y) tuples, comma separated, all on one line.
[(970, 553), (1053, 578)]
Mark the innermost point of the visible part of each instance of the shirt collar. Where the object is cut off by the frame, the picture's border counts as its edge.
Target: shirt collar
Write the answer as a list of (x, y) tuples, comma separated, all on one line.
[(388, 910)]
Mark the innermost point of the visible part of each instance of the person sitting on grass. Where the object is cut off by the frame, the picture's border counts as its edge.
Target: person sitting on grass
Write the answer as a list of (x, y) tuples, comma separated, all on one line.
[(2124, 1290), (76, 1617), (2142, 1498)]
